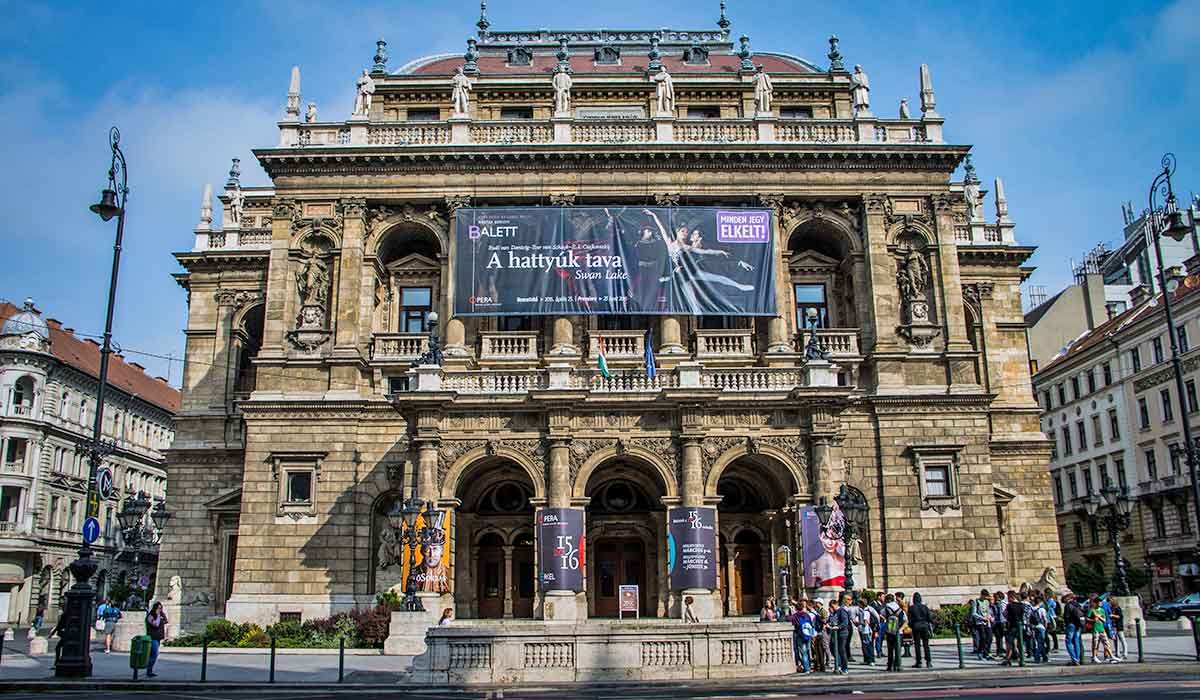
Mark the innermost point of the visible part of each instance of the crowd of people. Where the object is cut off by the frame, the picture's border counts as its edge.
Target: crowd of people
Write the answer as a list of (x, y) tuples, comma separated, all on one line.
[(1003, 626)]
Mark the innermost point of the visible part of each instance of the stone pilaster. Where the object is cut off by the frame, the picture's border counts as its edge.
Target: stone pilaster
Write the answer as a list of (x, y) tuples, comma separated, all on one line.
[(427, 456), (885, 314), (951, 283), (693, 485), (350, 272), (279, 289), (781, 328), (559, 472)]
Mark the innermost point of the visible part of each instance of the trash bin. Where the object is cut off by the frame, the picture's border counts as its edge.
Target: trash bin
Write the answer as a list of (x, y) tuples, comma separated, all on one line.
[(139, 652)]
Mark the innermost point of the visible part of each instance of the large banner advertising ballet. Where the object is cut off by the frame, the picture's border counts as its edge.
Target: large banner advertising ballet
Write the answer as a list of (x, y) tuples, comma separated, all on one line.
[(692, 548), (561, 548), (691, 261)]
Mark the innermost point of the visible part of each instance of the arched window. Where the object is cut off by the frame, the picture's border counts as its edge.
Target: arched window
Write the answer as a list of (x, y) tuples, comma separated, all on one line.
[(22, 397)]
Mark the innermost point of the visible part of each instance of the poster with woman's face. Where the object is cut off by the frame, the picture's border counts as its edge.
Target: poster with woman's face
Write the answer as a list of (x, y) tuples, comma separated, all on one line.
[(824, 554)]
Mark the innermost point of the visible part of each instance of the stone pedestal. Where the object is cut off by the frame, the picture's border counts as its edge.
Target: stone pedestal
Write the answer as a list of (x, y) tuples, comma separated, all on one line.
[(820, 373), (1133, 612), (564, 606), (128, 627), (664, 128), (560, 375), (429, 378), (38, 646), (689, 374), (765, 123), (460, 129), (706, 604), (175, 615), (562, 128), (406, 633)]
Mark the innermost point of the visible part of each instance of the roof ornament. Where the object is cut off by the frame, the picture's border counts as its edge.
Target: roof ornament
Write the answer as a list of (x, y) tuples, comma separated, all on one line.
[(1001, 204), (293, 96), (744, 53), (928, 101), (835, 56), (205, 210), (655, 55), (471, 67), (723, 23), (483, 22), (969, 169), (563, 55), (695, 54), (235, 175), (381, 57)]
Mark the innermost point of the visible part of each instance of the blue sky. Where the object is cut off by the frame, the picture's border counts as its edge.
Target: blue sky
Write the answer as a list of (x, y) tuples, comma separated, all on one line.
[(1072, 103)]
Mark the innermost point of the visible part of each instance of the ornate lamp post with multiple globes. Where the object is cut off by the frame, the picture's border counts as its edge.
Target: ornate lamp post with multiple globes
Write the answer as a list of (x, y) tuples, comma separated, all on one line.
[(1110, 509), (854, 514), (74, 649)]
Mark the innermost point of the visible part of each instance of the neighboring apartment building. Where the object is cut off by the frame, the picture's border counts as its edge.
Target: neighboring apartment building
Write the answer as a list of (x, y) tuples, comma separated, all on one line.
[(48, 382), (1111, 407), (1107, 282)]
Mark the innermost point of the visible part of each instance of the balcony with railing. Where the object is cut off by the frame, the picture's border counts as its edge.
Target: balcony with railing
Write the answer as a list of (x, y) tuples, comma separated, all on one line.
[(725, 345), (398, 347), (619, 346), (13, 528), (513, 347)]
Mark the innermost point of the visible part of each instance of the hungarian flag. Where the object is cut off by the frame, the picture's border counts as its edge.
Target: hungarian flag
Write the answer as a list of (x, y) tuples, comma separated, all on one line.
[(602, 361)]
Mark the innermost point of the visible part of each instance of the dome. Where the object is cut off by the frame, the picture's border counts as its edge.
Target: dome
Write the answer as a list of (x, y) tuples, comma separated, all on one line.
[(27, 321)]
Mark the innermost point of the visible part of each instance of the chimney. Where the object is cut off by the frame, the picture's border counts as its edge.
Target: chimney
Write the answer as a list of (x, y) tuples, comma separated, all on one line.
[(1139, 295), (139, 367), (163, 380), (69, 331)]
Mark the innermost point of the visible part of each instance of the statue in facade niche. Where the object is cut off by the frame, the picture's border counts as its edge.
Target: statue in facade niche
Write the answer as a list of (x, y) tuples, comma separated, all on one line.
[(665, 92), (364, 94), (459, 94), (860, 91), (390, 552), (763, 91), (562, 91), (313, 282), (913, 281), (311, 115)]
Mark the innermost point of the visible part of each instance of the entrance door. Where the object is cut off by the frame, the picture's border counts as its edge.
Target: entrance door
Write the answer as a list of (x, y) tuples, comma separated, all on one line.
[(749, 573), (618, 562), (490, 575), (523, 571)]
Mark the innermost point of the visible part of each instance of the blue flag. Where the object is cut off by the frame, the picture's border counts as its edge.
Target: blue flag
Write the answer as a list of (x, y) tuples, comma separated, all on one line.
[(650, 369)]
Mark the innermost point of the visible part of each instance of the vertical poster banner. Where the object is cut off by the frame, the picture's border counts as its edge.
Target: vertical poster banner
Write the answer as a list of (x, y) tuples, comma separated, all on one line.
[(824, 553), (692, 548), (614, 260), (433, 559), (561, 549)]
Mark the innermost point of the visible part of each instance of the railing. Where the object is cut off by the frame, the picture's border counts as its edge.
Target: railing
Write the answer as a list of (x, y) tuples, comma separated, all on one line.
[(16, 467), (489, 382), (992, 234), (398, 347), (962, 233), (618, 345), (13, 528), (752, 379), (810, 131), (321, 135), (613, 131), (511, 132), (624, 381), (508, 345), (258, 236), (716, 131), (842, 343), (416, 133), (22, 409), (724, 344)]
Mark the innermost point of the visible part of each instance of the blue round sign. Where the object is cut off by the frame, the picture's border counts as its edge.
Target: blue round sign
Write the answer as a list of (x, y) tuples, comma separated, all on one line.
[(91, 530)]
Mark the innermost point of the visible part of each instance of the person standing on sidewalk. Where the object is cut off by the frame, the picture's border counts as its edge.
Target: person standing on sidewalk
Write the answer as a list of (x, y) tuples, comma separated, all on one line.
[(108, 614), (803, 633), (894, 620), (1041, 652), (156, 628), (999, 622), (868, 625), (839, 625), (1116, 621), (822, 654), (981, 630), (920, 620), (881, 629), (1097, 623), (1014, 617), (1073, 628), (1052, 620)]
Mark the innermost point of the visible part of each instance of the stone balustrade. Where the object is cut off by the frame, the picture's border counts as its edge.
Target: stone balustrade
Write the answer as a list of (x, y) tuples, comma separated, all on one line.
[(494, 382), (750, 379), (618, 345), (724, 344), (9, 528), (508, 346), (624, 381), (398, 347), (14, 467), (610, 131), (842, 343)]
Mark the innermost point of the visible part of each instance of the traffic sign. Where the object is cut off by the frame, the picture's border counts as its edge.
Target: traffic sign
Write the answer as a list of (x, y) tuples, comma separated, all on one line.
[(104, 483), (91, 530), (93, 505)]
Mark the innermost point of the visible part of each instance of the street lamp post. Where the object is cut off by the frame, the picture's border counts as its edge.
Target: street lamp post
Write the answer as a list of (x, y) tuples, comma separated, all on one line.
[(74, 649), (783, 559), (1177, 230), (1111, 509), (135, 532)]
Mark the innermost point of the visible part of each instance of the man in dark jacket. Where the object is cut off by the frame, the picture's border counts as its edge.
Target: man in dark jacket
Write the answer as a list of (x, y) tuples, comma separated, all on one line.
[(839, 624), (920, 621), (1014, 620), (1073, 622), (998, 622)]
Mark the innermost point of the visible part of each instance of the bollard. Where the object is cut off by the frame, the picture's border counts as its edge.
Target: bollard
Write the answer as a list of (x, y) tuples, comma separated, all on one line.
[(958, 642), (341, 658), (1021, 642), (1138, 627), (272, 679), (204, 661)]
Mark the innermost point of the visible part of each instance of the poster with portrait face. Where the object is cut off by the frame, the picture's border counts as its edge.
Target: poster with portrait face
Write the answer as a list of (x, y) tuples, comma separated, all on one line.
[(824, 555), (433, 559), (561, 549), (692, 548)]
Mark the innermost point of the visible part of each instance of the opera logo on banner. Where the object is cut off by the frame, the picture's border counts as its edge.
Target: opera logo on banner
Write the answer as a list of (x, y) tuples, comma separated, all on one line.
[(692, 547), (561, 549)]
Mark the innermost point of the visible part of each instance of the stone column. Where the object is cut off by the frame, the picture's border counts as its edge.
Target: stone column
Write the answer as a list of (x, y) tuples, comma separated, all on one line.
[(823, 476), (559, 474), (564, 338), (780, 329), (693, 485), (510, 584), (951, 284), (225, 354), (670, 337), (427, 456), (454, 202), (882, 293)]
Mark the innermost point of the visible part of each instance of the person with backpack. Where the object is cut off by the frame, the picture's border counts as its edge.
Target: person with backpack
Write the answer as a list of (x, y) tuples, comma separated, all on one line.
[(822, 651), (894, 620), (868, 625), (1073, 629), (881, 627), (803, 632), (838, 625), (920, 620), (1041, 652), (981, 625), (108, 614)]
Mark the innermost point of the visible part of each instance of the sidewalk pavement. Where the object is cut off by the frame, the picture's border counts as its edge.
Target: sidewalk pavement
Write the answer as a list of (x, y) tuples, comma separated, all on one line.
[(240, 667)]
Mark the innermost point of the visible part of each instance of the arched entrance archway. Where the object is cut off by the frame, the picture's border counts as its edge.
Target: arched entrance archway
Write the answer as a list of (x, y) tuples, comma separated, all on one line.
[(495, 572), (626, 531)]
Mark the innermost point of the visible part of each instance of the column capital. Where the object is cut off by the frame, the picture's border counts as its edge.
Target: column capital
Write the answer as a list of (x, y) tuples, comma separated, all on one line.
[(354, 207), (454, 202)]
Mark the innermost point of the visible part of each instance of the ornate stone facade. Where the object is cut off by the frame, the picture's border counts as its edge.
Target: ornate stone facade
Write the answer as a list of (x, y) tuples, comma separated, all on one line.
[(927, 368)]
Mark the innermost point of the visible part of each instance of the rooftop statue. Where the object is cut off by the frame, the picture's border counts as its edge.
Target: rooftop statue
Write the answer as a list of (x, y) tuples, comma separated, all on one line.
[(763, 92), (459, 93), (562, 91), (366, 90), (665, 91), (860, 93)]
